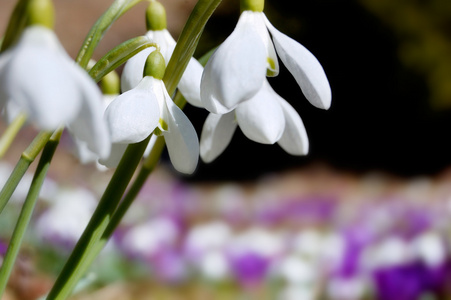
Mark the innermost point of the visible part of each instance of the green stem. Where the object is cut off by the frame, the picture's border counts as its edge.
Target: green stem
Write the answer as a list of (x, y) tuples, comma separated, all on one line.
[(96, 233), (27, 157), (10, 133), (82, 256), (148, 166), (16, 24), (119, 55), (27, 210), (187, 42), (117, 9), (123, 207)]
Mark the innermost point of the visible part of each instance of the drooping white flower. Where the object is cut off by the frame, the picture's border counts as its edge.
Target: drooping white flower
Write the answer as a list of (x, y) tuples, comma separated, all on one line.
[(265, 118), (42, 81), (132, 74), (237, 69), (82, 151), (135, 114)]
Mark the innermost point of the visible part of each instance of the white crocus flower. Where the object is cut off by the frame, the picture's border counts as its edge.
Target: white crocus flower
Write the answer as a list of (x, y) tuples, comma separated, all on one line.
[(237, 69), (135, 114), (132, 74), (266, 118), (42, 81)]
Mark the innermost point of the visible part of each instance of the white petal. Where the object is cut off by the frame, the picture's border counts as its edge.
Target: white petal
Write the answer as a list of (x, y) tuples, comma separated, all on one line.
[(11, 111), (133, 70), (294, 139), (82, 151), (261, 118), (133, 115), (4, 58), (89, 125), (37, 79), (189, 84), (216, 135), (181, 139), (235, 72), (259, 21), (164, 40), (305, 68), (117, 151)]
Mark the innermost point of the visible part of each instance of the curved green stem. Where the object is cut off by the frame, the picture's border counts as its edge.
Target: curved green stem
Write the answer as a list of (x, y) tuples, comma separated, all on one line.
[(119, 55), (117, 9), (27, 157), (11, 132), (187, 42), (16, 24), (107, 217), (27, 210), (123, 207)]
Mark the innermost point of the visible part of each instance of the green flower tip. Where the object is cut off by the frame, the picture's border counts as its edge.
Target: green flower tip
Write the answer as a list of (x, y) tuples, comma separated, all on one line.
[(162, 126), (110, 84), (252, 5), (41, 12), (155, 16), (155, 65)]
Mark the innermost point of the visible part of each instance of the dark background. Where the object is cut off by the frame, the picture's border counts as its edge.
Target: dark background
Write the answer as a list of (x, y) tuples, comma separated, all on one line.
[(380, 118)]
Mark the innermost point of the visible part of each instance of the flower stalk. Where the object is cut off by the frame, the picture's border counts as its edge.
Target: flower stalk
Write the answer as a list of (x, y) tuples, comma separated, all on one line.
[(116, 10), (11, 132), (91, 242), (27, 209), (27, 157)]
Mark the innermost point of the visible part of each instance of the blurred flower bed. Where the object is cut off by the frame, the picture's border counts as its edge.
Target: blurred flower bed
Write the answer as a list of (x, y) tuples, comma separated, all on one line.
[(312, 233)]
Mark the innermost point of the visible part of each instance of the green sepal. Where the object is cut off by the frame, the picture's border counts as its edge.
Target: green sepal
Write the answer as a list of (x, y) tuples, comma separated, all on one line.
[(119, 55), (155, 65), (41, 12), (156, 16), (111, 83), (252, 5)]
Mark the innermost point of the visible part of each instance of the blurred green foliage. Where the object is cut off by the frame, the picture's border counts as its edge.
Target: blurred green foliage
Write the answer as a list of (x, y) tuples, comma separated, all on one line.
[(423, 29)]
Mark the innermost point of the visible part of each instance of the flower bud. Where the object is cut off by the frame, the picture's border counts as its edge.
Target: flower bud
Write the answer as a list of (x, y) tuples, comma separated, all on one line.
[(252, 5), (155, 65), (155, 16), (41, 12)]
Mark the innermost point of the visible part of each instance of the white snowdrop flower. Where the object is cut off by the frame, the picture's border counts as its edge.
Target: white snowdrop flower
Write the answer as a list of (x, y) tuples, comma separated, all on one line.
[(297, 270), (388, 252), (135, 114), (265, 118), (256, 240), (339, 288), (237, 69), (110, 85), (42, 81), (147, 239), (68, 214), (326, 248), (204, 238), (214, 265), (132, 74)]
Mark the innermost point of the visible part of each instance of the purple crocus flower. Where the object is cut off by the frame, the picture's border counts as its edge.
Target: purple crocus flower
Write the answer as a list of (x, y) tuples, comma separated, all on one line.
[(249, 268), (411, 281)]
